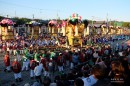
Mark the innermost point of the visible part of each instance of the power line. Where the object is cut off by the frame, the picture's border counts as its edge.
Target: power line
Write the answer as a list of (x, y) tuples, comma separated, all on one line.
[(24, 6)]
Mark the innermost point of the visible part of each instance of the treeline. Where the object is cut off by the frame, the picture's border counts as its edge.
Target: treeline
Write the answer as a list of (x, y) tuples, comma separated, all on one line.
[(21, 21), (126, 24)]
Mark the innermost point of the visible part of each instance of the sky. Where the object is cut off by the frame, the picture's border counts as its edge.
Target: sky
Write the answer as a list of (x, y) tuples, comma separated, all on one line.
[(99, 10)]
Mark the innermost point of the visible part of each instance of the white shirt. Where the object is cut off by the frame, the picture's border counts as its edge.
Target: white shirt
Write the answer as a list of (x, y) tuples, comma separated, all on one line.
[(43, 42), (89, 81), (95, 55), (38, 70)]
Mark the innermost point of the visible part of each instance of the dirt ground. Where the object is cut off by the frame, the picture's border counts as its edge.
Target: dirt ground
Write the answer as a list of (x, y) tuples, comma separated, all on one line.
[(7, 78)]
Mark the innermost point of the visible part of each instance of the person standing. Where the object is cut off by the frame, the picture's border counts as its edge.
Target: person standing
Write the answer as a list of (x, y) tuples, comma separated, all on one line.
[(60, 62), (25, 62), (18, 54), (44, 62), (37, 56), (32, 66), (4, 47), (16, 68), (7, 62), (38, 72), (14, 48), (75, 58), (8, 46), (0, 46)]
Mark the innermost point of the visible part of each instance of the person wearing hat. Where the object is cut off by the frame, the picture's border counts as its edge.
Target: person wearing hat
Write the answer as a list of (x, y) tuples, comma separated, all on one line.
[(16, 68), (7, 61)]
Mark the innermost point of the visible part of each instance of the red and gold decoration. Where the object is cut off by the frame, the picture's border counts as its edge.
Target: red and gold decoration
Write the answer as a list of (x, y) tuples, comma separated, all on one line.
[(6, 29)]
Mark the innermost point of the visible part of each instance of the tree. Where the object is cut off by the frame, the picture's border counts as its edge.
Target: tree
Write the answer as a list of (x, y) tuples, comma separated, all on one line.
[(21, 21), (126, 24), (1, 17)]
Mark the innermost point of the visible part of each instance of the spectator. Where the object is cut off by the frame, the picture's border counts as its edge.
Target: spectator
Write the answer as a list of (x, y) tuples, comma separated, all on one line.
[(16, 67), (47, 81), (117, 73), (36, 84), (32, 66), (100, 62), (27, 84), (78, 82), (7, 62), (25, 63), (96, 73), (60, 62), (38, 71)]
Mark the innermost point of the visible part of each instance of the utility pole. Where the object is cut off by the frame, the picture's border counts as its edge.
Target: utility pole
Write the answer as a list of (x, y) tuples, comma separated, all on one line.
[(93, 31), (92, 20), (107, 24), (15, 13), (33, 16)]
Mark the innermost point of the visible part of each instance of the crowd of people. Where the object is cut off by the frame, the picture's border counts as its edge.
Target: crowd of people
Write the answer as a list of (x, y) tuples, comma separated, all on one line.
[(99, 65)]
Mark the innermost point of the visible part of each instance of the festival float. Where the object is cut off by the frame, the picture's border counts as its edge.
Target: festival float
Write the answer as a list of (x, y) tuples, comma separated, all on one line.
[(33, 29), (7, 29), (75, 30), (112, 30), (118, 27), (54, 27)]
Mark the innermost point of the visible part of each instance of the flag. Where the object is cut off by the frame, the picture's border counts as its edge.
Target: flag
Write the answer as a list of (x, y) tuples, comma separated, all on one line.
[(75, 16)]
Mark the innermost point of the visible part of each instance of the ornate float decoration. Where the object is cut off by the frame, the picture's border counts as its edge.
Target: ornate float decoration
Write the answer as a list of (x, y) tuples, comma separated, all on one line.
[(7, 29), (33, 29), (75, 30)]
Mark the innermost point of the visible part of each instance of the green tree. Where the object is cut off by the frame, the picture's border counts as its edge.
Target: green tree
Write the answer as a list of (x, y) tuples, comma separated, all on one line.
[(21, 21), (1, 17), (126, 24)]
